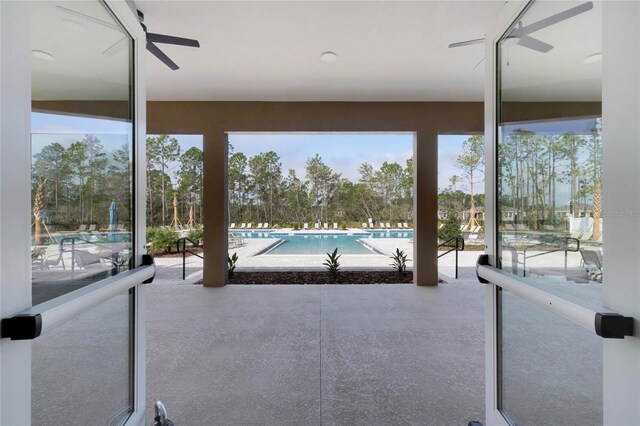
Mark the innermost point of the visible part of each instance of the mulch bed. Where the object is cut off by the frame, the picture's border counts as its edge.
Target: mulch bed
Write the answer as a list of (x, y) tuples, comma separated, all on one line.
[(347, 277)]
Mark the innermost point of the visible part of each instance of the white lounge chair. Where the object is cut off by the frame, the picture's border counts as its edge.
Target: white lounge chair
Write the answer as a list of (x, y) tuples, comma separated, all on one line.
[(249, 225), (232, 226), (399, 225), (364, 225), (325, 226), (335, 225), (259, 225), (92, 228), (243, 226), (388, 225), (406, 225), (316, 226), (305, 226), (265, 225)]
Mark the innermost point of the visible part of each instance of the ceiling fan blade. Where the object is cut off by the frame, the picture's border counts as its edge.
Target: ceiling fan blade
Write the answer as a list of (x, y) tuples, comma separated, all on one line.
[(167, 39), (552, 20), (467, 42), (116, 47), (160, 55), (534, 43), (89, 18)]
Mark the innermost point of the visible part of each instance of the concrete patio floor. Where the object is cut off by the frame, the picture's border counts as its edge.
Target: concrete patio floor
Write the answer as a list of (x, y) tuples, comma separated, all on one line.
[(309, 355)]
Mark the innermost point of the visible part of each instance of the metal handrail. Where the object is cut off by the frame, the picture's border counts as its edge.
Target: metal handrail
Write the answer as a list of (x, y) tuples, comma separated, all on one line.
[(184, 251), (458, 247), (566, 250)]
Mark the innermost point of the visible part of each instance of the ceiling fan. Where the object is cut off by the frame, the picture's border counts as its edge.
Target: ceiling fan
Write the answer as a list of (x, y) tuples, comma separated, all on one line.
[(520, 34), (151, 37), (165, 39)]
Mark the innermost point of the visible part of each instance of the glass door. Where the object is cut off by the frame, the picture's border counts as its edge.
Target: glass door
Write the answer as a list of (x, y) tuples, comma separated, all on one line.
[(73, 260), (557, 316)]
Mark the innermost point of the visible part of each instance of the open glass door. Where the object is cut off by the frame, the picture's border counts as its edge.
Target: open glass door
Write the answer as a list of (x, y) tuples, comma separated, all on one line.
[(560, 312), (72, 224)]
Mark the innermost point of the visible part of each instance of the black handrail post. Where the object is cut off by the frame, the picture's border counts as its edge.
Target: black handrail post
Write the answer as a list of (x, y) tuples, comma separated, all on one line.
[(184, 259), (73, 256), (457, 245)]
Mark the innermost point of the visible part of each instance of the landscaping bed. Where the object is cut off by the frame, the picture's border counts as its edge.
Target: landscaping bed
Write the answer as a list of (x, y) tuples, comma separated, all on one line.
[(346, 277)]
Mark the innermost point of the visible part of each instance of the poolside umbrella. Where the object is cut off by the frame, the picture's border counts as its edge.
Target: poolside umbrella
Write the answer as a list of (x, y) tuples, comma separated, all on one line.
[(113, 221)]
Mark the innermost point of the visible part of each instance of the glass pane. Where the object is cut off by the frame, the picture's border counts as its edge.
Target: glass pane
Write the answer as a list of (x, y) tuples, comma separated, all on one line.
[(82, 137), (551, 369), (81, 369), (550, 146), (550, 215)]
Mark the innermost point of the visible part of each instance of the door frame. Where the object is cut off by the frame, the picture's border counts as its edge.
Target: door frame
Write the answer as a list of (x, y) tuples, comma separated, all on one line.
[(621, 292), (15, 180)]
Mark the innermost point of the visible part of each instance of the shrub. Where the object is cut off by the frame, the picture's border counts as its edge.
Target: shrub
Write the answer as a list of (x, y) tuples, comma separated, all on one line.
[(332, 264), (450, 229), (151, 234), (195, 235), (163, 241), (231, 261), (399, 261)]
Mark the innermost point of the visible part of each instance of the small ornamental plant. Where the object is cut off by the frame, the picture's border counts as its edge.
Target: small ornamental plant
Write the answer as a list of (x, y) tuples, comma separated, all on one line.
[(332, 264), (399, 261), (231, 261)]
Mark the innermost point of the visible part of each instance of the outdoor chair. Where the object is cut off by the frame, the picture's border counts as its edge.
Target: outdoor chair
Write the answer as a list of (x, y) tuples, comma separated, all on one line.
[(53, 256), (243, 225), (232, 226), (249, 225), (325, 226), (316, 226), (586, 236), (37, 257), (335, 225), (406, 225), (364, 225), (592, 262), (92, 227), (388, 225), (265, 225), (88, 261), (399, 225), (259, 226), (305, 226), (576, 234), (82, 228)]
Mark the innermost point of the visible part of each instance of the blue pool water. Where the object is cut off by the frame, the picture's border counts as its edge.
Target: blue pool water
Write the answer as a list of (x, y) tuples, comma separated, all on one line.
[(320, 244), (323, 242)]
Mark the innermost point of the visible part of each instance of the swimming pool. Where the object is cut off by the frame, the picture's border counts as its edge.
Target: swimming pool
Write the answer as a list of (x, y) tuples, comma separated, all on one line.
[(322, 242), (319, 244)]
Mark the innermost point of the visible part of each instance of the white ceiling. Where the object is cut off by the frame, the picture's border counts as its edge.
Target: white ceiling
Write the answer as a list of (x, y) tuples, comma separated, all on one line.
[(75, 34), (270, 51)]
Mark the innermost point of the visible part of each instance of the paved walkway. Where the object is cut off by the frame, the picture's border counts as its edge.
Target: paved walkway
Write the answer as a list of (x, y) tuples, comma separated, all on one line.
[(316, 355)]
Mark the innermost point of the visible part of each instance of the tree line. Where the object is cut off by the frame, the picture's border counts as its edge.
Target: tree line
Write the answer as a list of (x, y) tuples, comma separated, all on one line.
[(77, 182), (261, 191), (533, 166)]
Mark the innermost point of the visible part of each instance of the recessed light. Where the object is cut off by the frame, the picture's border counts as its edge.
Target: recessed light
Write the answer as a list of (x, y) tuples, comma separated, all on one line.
[(328, 57), (510, 41), (43, 55), (74, 26), (596, 57)]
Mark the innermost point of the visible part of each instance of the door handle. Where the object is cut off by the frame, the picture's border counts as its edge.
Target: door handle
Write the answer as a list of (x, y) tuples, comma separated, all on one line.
[(33, 322)]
